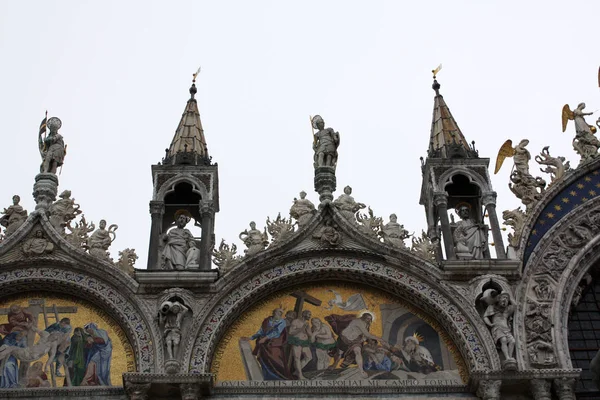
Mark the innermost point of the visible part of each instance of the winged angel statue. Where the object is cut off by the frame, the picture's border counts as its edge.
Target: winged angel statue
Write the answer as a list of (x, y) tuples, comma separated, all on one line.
[(584, 143), (526, 187)]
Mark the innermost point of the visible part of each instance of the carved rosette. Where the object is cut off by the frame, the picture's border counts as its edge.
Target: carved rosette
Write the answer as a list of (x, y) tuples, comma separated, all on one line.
[(45, 190)]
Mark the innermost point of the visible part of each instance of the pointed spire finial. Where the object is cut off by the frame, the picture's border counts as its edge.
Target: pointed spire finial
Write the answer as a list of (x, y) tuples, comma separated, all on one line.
[(436, 86), (193, 89)]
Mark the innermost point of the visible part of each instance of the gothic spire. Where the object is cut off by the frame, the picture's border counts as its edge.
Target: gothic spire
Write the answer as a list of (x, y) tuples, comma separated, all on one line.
[(188, 145), (446, 140)]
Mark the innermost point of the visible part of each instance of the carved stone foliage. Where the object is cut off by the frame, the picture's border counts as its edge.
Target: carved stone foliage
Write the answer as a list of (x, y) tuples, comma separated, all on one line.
[(516, 220), (543, 289), (137, 391), (225, 257), (565, 388), (369, 224), (83, 285), (79, 233), (280, 229), (555, 166), (423, 247), (540, 388), (126, 261), (527, 188), (463, 328), (489, 389)]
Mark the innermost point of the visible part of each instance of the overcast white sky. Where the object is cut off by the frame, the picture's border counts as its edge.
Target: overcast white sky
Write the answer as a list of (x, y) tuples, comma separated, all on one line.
[(117, 73)]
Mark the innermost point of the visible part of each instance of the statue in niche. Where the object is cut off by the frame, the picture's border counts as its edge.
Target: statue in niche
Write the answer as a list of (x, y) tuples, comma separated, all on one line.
[(37, 245), (302, 210), (347, 206), (497, 317), (255, 240), (394, 233), (325, 144), (63, 211), (584, 143), (99, 241), (170, 316), (14, 216), (470, 238), (177, 243), (52, 147)]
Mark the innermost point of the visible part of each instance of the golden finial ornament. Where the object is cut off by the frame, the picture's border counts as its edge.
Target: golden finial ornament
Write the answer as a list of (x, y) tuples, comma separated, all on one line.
[(435, 71)]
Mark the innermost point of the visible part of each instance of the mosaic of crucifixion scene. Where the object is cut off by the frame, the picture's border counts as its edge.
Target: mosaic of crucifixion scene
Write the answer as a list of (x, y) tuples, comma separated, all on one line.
[(50, 341), (336, 332)]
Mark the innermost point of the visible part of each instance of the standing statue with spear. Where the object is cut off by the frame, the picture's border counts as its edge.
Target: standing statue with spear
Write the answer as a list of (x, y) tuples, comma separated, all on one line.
[(52, 146), (325, 143)]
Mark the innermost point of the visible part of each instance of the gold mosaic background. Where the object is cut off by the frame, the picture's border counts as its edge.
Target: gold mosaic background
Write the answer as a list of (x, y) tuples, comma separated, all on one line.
[(227, 362), (123, 359)]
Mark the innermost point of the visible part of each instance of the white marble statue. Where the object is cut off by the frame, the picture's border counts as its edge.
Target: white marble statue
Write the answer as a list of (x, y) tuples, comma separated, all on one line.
[(255, 240), (470, 238), (347, 206), (585, 143), (394, 233), (63, 211), (13, 217), (302, 210), (177, 242), (170, 316), (99, 241), (52, 147), (325, 144), (497, 317)]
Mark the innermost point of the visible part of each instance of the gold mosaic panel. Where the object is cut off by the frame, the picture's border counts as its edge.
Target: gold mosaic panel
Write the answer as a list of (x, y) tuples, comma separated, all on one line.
[(229, 364), (122, 359)]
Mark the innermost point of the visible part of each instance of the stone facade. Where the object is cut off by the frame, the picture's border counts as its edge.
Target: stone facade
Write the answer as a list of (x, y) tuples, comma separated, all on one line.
[(178, 321)]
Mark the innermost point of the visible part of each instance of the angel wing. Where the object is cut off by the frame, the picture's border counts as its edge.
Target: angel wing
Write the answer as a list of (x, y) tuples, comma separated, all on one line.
[(505, 151), (567, 114)]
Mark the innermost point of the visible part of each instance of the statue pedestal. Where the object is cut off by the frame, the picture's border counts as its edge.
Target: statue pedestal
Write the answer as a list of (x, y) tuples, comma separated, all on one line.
[(172, 366), (45, 190), (509, 365), (325, 182)]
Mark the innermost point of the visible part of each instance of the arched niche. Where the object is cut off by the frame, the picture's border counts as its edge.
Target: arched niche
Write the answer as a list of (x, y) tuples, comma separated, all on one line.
[(463, 326), (90, 347), (115, 306)]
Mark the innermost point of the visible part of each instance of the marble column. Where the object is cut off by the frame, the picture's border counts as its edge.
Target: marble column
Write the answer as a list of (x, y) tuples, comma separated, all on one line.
[(565, 388), (207, 213), (137, 391), (489, 389), (489, 202), (540, 388), (440, 200), (157, 209)]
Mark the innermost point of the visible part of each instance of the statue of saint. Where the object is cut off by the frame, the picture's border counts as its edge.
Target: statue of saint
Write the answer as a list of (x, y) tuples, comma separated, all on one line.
[(254, 239), (52, 147), (585, 143), (394, 233), (496, 317), (302, 210), (177, 243), (37, 245), (470, 238), (13, 217), (170, 316), (346, 204), (63, 211), (325, 144), (99, 241)]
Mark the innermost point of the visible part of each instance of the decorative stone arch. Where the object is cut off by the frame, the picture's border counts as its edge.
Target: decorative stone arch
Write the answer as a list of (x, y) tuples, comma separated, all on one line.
[(474, 178), (198, 186), (560, 260), (461, 322), (122, 307)]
